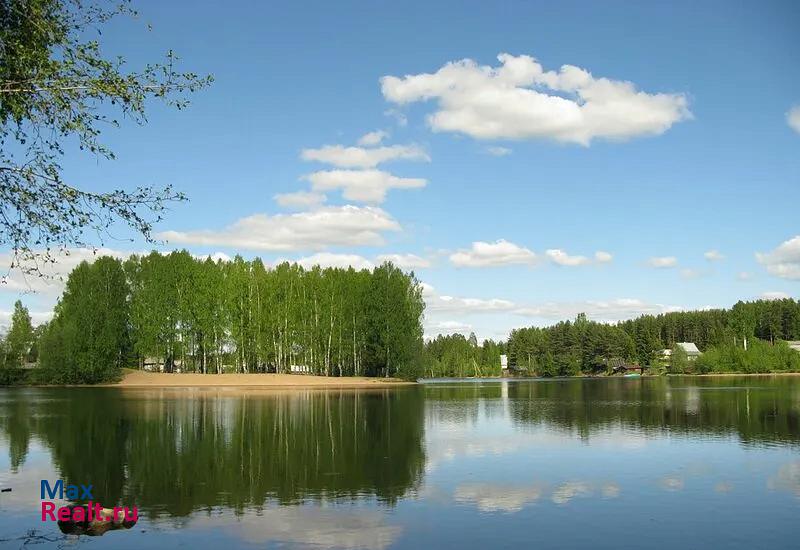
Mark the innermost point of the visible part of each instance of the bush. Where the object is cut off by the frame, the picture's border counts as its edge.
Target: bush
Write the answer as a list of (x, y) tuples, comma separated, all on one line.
[(12, 376), (760, 357)]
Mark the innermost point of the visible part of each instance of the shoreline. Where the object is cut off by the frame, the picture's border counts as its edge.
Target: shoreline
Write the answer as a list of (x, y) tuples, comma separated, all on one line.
[(141, 379)]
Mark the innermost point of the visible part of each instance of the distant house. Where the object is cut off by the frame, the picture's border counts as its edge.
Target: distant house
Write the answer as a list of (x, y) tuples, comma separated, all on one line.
[(794, 344), (690, 348), (299, 369)]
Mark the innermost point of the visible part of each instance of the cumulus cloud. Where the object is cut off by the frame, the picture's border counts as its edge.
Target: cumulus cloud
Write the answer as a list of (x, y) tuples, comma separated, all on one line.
[(300, 200), (315, 230), (663, 262), (774, 295), (362, 185), (432, 329), (54, 274), (329, 259), (602, 257), (560, 257), (498, 151), (689, 273), (599, 310), (405, 261), (793, 118), (452, 304), (713, 256), (498, 253), (784, 261), (371, 139), (520, 100), (361, 157)]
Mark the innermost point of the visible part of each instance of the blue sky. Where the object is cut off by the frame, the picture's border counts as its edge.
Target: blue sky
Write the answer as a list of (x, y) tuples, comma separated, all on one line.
[(695, 154)]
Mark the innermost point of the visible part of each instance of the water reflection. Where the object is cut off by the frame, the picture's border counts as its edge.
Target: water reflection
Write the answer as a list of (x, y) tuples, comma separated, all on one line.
[(172, 455), (439, 465), (756, 410)]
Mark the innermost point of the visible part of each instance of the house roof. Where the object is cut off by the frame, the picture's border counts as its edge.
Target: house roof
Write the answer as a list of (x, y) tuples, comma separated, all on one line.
[(688, 347)]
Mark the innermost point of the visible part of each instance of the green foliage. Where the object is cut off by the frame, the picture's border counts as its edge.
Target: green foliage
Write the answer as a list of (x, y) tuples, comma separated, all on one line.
[(12, 376), (20, 336), (87, 341), (759, 357), (200, 316), (58, 89), (587, 347), (770, 320), (456, 356), (277, 448), (569, 348), (679, 361)]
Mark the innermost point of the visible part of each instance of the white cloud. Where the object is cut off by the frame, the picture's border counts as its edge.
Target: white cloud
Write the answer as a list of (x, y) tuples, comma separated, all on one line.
[(602, 257), (371, 139), (744, 276), (315, 230), (37, 318), (328, 259), (784, 261), (398, 116), (360, 157), (689, 273), (663, 262), (54, 274), (433, 329), (560, 257), (603, 311), (300, 200), (713, 256), (774, 295), (501, 252), (793, 118), (499, 151), (215, 257), (520, 100), (452, 304), (362, 185), (405, 261)]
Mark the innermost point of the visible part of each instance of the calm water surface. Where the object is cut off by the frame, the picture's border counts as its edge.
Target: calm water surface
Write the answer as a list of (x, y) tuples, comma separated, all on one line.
[(607, 463)]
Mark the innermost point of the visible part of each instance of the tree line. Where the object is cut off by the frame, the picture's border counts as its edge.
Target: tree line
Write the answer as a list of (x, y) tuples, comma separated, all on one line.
[(454, 355), (756, 329), (176, 311)]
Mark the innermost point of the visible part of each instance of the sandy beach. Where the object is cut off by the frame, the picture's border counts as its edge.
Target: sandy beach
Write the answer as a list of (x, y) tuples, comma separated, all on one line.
[(141, 379)]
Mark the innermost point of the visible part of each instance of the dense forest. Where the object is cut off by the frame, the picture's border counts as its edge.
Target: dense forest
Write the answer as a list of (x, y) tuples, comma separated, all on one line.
[(582, 346), (456, 356), (176, 311)]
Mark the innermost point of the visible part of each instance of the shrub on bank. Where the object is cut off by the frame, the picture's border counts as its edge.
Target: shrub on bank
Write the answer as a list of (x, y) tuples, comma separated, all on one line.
[(12, 376), (760, 357)]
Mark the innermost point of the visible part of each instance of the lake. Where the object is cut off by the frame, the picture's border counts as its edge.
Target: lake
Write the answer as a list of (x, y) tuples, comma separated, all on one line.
[(580, 463)]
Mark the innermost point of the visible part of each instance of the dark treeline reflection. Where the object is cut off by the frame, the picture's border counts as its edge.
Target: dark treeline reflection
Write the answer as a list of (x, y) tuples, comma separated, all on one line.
[(173, 454), (756, 410)]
